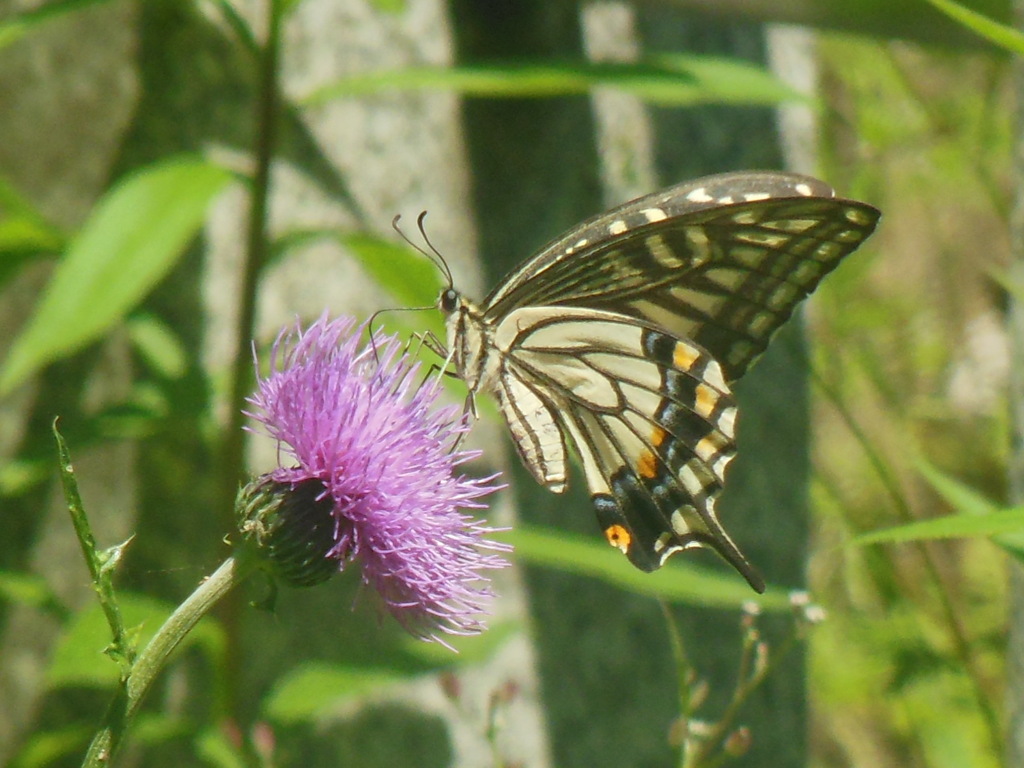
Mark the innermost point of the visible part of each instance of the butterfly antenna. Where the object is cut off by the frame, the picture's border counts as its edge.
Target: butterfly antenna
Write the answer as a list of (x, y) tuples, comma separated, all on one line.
[(439, 259), (373, 319), (435, 258), (373, 333)]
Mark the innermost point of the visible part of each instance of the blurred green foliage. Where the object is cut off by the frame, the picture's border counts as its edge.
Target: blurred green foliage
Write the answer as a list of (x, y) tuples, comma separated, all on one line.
[(910, 418)]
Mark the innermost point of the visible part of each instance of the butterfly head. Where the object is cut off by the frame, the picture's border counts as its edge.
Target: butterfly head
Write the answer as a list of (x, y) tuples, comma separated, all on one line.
[(449, 300)]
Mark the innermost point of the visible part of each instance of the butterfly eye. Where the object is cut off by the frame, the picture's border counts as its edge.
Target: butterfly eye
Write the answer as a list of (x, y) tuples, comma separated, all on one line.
[(449, 300)]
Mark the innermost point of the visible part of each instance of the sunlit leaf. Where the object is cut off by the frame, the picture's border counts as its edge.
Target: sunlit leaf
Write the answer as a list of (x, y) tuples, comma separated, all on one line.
[(311, 688), (669, 80), (157, 343), (79, 658), (19, 24), (949, 527), (968, 501), (132, 239), (1002, 35)]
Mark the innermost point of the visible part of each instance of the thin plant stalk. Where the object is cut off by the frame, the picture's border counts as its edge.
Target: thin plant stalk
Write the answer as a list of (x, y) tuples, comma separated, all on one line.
[(232, 457)]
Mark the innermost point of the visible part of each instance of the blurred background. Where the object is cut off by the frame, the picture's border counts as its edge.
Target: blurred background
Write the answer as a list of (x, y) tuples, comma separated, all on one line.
[(179, 177)]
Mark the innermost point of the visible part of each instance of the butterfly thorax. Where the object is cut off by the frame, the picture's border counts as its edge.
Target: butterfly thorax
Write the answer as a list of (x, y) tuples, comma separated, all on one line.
[(469, 341)]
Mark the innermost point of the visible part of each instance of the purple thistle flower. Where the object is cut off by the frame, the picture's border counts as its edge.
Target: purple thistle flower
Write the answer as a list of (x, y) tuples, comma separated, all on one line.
[(385, 456)]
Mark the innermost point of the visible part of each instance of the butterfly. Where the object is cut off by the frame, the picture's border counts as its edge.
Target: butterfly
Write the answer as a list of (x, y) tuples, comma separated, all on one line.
[(625, 334)]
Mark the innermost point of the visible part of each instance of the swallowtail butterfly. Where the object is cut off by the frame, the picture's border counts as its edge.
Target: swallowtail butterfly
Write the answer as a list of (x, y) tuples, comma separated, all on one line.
[(625, 334)]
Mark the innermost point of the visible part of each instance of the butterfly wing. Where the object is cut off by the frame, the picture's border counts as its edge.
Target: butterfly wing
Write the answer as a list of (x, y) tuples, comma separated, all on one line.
[(651, 417), (722, 261)]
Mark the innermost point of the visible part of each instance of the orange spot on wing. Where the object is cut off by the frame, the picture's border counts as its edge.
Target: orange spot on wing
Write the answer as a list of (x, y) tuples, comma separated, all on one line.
[(707, 399), (618, 537), (685, 356), (658, 437), (647, 466)]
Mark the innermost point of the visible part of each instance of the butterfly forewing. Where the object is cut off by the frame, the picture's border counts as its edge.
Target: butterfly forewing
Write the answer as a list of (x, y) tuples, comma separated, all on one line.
[(723, 262), (624, 334)]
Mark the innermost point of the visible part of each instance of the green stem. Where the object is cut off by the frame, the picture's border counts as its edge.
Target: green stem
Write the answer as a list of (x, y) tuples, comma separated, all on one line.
[(151, 661), (232, 457)]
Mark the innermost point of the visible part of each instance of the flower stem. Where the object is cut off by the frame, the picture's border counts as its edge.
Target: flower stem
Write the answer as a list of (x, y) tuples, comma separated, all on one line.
[(232, 453), (151, 661)]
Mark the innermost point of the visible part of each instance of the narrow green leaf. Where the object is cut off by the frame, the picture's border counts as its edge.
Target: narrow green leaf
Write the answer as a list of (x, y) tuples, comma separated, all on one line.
[(132, 239), (309, 689), (669, 80), (1002, 35), (411, 279), (20, 475), (678, 581), (24, 232), (949, 527), (217, 749), (239, 25), (17, 26), (962, 497), (158, 345), (101, 565), (408, 276), (390, 6), (967, 501)]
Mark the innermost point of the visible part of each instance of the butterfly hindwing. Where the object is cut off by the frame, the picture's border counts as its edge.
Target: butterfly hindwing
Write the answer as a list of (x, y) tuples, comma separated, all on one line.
[(651, 417)]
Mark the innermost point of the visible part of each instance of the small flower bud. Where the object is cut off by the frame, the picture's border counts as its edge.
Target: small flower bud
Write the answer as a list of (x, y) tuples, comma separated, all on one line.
[(738, 742), (290, 528)]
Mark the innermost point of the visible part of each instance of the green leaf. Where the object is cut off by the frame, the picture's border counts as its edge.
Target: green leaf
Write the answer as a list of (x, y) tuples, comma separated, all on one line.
[(131, 240), (967, 501), (949, 527), (32, 590), (677, 581), (390, 6), (1001, 34), (962, 497), (24, 233), (158, 345), (310, 689), (43, 749), (218, 750), (19, 475), (410, 277), (407, 275), (17, 26), (79, 658), (668, 80)]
